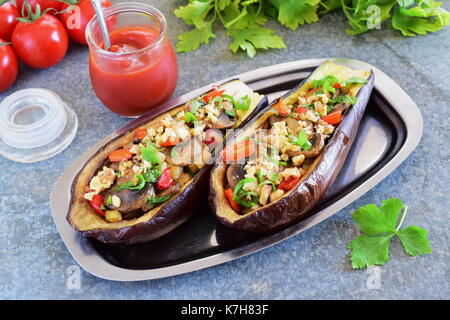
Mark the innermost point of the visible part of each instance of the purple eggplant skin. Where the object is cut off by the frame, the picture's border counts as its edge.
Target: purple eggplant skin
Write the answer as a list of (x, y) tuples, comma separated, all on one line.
[(153, 224), (298, 202)]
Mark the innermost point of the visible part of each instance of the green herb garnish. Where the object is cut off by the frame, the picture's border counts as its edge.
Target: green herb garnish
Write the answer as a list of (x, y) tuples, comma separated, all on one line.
[(301, 140), (195, 105), (152, 175), (148, 154), (190, 117), (326, 83), (158, 200), (268, 182), (378, 226), (353, 80), (239, 194), (242, 104), (342, 99), (109, 201)]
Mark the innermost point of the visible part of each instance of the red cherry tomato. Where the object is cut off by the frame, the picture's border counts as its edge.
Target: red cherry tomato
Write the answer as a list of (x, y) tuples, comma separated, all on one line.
[(41, 43), (8, 20), (77, 19), (8, 66), (44, 4)]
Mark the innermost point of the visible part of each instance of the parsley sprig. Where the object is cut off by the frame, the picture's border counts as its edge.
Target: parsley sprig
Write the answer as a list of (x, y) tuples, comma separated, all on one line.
[(378, 226), (244, 20)]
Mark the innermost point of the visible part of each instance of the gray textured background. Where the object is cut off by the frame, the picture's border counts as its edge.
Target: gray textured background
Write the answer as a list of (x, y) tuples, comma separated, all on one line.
[(313, 264)]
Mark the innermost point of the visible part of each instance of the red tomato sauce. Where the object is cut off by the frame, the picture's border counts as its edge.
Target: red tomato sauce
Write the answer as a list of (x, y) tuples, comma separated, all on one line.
[(133, 84)]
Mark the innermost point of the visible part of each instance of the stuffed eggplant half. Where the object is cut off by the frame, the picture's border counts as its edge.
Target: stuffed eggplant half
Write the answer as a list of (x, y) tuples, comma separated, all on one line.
[(146, 182), (280, 165)]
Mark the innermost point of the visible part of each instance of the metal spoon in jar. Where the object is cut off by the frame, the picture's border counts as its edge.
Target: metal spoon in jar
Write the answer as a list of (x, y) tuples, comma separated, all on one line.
[(102, 22)]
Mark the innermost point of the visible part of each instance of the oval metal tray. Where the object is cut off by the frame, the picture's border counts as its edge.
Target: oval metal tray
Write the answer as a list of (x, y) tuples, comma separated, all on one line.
[(390, 130)]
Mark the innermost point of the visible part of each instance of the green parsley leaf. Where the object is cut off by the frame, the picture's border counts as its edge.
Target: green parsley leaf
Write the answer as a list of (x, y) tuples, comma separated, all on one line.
[(368, 251), (378, 226), (414, 240), (424, 18), (293, 13), (195, 13), (191, 40), (253, 38)]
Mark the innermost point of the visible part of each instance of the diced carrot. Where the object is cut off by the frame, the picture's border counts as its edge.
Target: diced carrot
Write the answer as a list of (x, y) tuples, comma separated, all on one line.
[(234, 205), (333, 118), (140, 133), (120, 154)]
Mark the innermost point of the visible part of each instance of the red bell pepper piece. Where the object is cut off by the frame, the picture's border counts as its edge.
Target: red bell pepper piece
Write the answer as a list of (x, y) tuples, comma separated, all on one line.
[(96, 204), (165, 180), (301, 110), (239, 150), (120, 154), (140, 133), (213, 94), (333, 118), (281, 108), (170, 142), (337, 85), (289, 184), (234, 205)]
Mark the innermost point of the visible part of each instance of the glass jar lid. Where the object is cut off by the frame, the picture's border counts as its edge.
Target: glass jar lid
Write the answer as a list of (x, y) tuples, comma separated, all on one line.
[(35, 124)]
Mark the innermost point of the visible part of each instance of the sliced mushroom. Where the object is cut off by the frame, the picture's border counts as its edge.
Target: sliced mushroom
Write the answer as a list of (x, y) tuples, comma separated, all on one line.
[(223, 122), (170, 190), (227, 105), (337, 92), (130, 200), (273, 118), (339, 107), (235, 173), (186, 153), (292, 124), (317, 145)]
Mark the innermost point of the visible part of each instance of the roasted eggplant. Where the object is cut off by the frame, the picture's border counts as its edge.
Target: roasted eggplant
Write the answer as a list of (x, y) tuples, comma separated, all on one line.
[(146, 182), (279, 166)]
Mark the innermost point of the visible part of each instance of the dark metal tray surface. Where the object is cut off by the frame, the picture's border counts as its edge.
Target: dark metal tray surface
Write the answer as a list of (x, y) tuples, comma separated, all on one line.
[(389, 132)]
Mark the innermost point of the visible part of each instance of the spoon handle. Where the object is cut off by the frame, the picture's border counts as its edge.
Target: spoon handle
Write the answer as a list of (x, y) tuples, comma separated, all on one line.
[(102, 22)]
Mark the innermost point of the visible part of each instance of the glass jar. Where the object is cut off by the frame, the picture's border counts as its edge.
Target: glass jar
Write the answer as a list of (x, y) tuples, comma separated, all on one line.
[(139, 71)]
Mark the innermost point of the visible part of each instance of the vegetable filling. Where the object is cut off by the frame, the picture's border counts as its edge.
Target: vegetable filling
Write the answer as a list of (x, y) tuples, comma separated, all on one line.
[(163, 157), (272, 161)]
